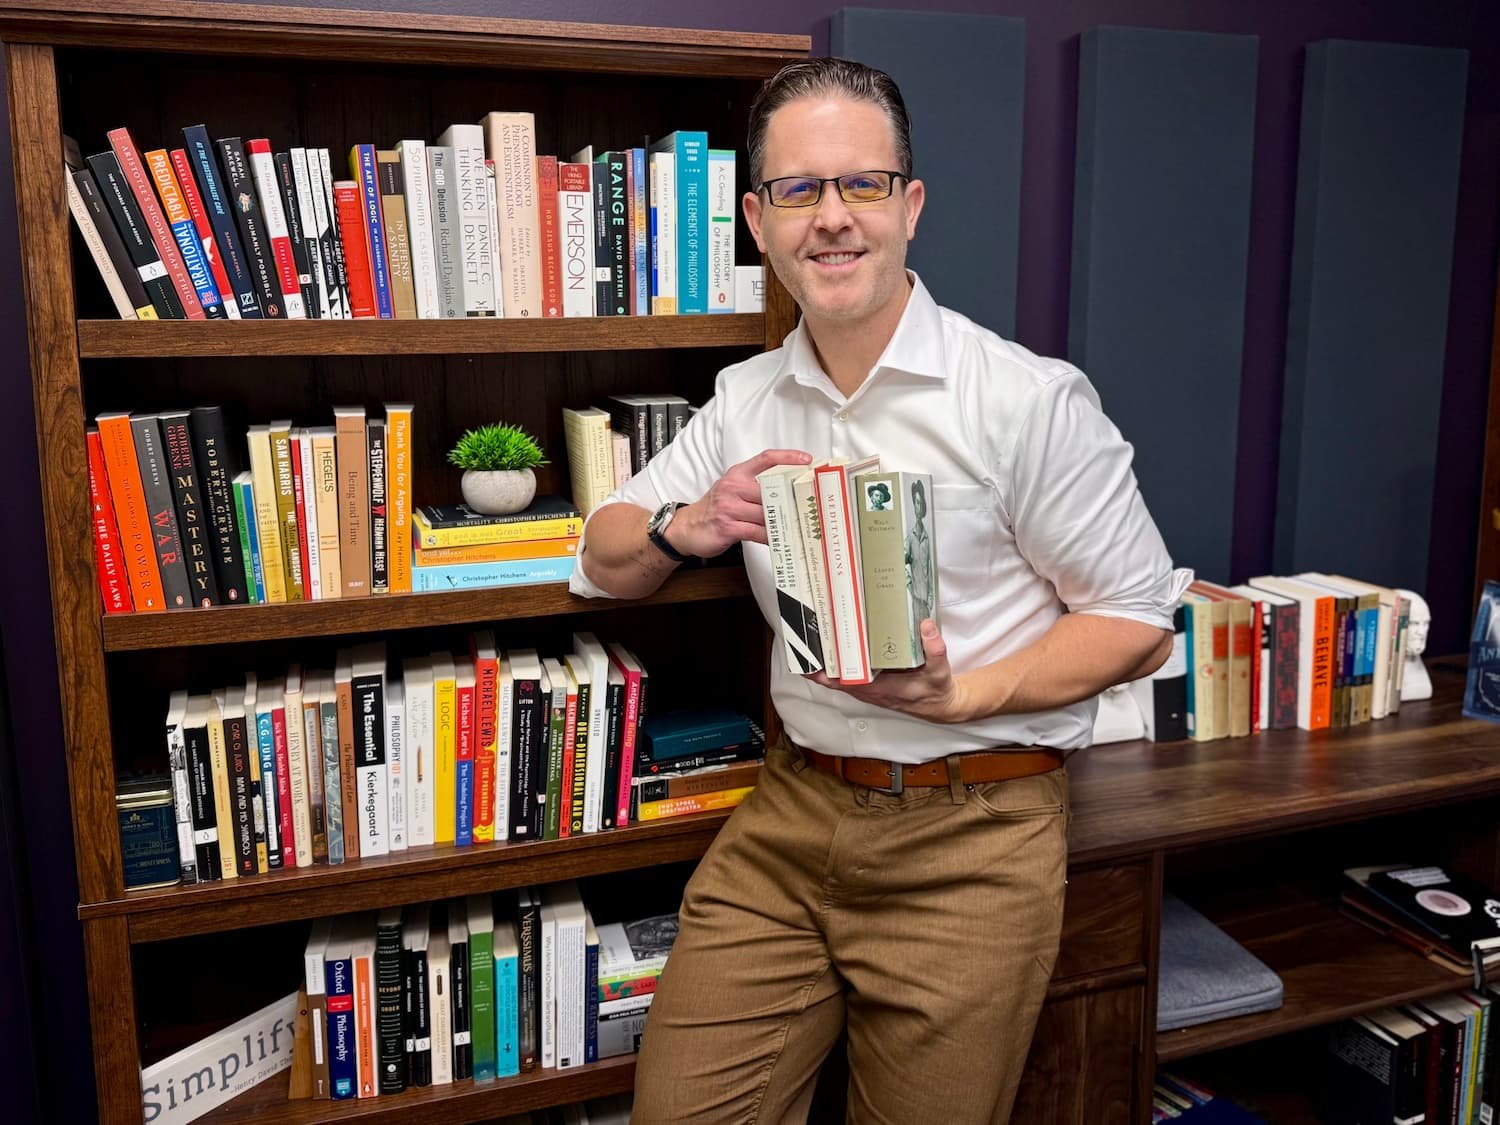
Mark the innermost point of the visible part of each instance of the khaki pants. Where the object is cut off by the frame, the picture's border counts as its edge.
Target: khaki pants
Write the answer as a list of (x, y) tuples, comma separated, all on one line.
[(927, 922)]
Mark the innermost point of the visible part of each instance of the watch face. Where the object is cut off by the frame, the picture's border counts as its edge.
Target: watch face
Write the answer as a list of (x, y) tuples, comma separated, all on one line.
[(660, 518)]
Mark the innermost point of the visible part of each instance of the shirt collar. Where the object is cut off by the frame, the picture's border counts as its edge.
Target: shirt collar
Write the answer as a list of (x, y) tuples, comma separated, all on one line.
[(916, 347)]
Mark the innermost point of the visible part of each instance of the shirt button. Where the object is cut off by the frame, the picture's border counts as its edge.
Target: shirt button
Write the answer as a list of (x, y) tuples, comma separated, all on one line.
[(861, 726), (843, 416)]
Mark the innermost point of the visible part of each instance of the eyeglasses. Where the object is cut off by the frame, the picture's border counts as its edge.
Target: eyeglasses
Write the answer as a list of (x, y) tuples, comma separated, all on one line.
[(854, 187)]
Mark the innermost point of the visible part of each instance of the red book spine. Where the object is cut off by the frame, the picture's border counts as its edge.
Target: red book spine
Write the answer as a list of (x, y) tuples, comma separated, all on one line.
[(156, 222), (546, 182), (194, 203), (113, 587), (570, 737), (301, 503), (283, 788), (351, 217), (627, 741), (1257, 634)]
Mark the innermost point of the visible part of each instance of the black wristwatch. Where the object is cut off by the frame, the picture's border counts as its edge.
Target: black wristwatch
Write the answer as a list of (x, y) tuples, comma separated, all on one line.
[(656, 528)]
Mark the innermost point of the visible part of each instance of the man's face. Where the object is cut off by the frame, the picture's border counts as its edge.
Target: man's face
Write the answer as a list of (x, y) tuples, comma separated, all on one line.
[(843, 262)]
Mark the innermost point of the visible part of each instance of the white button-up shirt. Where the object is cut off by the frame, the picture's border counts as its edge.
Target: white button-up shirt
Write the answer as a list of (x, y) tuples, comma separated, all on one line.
[(1037, 512)]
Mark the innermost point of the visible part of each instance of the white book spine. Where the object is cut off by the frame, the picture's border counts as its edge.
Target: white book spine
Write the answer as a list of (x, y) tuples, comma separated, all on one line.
[(395, 762), (419, 228), (809, 523), (575, 210), (492, 233), (182, 807), (841, 560), (421, 813), (338, 293), (721, 212), (475, 264), (302, 178), (95, 243), (296, 761), (549, 986), (263, 172), (304, 444), (789, 571), (598, 719), (664, 240), (505, 692), (570, 989), (440, 1004)]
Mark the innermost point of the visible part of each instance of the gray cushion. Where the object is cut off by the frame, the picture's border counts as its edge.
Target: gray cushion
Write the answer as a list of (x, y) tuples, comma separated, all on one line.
[(1205, 974)]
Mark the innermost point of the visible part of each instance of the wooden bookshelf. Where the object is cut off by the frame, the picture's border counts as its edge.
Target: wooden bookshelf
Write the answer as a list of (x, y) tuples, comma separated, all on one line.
[(162, 339), (181, 628)]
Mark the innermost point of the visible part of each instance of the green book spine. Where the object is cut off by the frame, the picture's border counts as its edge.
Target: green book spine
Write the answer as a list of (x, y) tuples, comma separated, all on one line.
[(482, 1003), (558, 720), (244, 530)]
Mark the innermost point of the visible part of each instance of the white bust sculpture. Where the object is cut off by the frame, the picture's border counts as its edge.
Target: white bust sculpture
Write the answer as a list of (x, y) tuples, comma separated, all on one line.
[(1416, 683), (1119, 718)]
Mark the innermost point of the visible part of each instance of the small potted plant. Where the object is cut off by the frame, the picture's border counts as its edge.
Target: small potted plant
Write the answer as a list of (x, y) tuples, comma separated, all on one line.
[(497, 462)]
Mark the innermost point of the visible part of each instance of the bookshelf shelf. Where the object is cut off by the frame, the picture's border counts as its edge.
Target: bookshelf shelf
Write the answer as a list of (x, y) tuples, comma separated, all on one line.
[(267, 1103), (1331, 967), (417, 875), (181, 628), (121, 339)]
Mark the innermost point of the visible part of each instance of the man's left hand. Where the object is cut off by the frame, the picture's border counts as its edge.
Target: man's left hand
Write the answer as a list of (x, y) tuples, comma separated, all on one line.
[(930, 692)]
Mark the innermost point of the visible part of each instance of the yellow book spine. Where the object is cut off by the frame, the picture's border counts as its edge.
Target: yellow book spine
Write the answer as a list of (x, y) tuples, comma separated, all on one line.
[(445, 703), (398, 493), (286, 511), (428, 537), (267, 527), (702, 802), (499, 552), (218, 760)]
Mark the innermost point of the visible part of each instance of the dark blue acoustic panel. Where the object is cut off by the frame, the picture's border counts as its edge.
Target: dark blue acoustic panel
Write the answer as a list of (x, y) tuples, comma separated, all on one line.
[(1161, 234), (962, 78), (1377, 194)]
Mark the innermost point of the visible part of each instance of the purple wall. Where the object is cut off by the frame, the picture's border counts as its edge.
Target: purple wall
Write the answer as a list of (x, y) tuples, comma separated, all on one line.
[(1052, 29)]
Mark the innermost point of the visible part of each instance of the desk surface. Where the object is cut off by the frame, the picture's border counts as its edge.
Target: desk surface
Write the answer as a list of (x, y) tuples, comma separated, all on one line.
[(1132, 798)]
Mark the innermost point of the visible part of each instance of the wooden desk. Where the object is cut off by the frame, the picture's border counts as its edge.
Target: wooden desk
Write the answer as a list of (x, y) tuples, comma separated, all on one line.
[(1252, 832)]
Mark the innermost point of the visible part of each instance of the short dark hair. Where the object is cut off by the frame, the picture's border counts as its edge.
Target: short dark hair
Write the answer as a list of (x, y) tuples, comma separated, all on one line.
[(810, 78)]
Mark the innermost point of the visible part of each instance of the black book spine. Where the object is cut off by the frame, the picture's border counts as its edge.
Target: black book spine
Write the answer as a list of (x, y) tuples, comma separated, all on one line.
[(201, 802), (131, 226), (463, 1035), (1169, 694), (216, 202), (661, 417), (541, 728), (646, 766), (604, 304), (421, 1067), (247, 215), (193, 522), (389, 979), (575, 798), (114, 246), (528, 999), (296, 232), (237, 752), (162, 510), (213, 457), (617, 207), (523, 778), (332, 241), (614, 727), (633, 419), (677, 418), (380, 559), (409, 1010)]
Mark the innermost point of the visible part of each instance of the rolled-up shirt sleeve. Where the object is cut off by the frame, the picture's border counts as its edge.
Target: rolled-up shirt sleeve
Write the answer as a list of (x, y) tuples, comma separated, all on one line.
[(1078, 514), (685, 469)]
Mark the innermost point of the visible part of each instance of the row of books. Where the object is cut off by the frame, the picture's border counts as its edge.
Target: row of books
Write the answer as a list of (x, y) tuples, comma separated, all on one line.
[(1312, 651), (476, 989), (476, 224), (1179, 1099), (609, 444), (853, 555), (322, 512)]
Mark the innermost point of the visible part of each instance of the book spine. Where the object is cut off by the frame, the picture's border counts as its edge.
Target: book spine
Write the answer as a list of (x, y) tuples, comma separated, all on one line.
[(591, 1000), (244, 512), (237, 758), (472, 218), (286, 182), (445, 750), (324, 503), (161, 511), (557, 719), (184, 235), (578, 787), (628, 746), (421, 1068), (192, 520), (333, 787), (297, 766), (339, 984), (797, 618), (312, 750), (395, 764), (841, 564), (399, 474), (362, 172), (286, 818), (397, 236), (369, 747), (350, 217), (640, 233), (241, 283), (692, 223), (510, 140), (529, 993), (463, 1032), (443, 182), (603, 257), (135, 237), (182, 801), (104, 245), (307, 516), (524, 690), (486, 731), (330, 244), (479, 576), (491, 234), (391, 1053), (413, 156), (312, 237), (617, 213), (366, 1042), (258, 251), (614, 710), (161, 234), (505, 767), (114, 587), (288, 530), (682, 806), (183, 169), (268, 190), (664, 233), (463, 763), (569, 761), (722, 206), (551, 236), (575, 204), (352, 463), (507, 1015), (201, 800), (380, 580), (349, 803)]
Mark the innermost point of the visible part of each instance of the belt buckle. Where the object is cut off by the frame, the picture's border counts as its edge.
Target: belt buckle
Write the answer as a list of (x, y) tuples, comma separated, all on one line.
[(898, 781)]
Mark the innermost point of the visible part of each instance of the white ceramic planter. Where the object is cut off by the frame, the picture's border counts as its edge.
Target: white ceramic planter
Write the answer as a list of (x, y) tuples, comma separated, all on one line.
[(499, 492)]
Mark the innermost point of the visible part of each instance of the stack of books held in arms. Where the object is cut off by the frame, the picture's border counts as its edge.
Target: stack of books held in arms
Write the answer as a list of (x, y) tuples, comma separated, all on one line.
[(457, 548)]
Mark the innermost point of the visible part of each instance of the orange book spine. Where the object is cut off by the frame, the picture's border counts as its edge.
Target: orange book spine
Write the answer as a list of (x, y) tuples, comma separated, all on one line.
[(114, 587), (1322, 674), (498, 552), (703, 802), (364, 1024), (129, 498), (546, 180)]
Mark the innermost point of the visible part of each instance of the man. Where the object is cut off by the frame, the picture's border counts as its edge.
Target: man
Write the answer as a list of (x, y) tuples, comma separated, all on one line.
[(899, 870)]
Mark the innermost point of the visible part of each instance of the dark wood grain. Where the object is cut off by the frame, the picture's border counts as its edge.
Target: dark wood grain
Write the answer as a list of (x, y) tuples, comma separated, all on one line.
[(390, 613), (102, 339), (417, 875), (106, 956), (1330, 966), (1104, 920), (320, 33), (1081, 1069), (267, 1103), (1137, 797)]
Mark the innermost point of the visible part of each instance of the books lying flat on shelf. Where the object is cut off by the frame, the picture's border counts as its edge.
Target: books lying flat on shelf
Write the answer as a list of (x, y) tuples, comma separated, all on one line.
[(1453, 920)]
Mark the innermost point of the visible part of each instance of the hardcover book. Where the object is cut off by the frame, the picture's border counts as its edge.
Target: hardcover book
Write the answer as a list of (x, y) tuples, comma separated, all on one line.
[(797, 616), (898, 564), (398, 239), (510, 141), (446, 227), (841, 562), (475, 260)]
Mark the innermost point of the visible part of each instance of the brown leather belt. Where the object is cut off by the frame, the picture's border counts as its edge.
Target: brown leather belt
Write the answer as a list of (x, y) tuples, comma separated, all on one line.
[(973, 768)]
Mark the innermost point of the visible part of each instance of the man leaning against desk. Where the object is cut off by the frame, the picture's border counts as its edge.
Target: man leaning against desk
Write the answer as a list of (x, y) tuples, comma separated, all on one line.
[(899, 870)]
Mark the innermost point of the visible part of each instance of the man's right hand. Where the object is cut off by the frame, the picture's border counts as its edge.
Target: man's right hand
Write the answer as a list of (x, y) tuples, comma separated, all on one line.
[(730, 511)]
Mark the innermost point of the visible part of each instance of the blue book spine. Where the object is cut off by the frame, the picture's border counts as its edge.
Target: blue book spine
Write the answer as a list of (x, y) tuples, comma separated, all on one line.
[(265, 742), (1371, 638), (221, 221), (186, 235), (692, 223), (652, 239), (375, 229), (339, 979), (591, 1000), (642, 245), (507, 1018), (248, 495), (464, 801), (476, 576)]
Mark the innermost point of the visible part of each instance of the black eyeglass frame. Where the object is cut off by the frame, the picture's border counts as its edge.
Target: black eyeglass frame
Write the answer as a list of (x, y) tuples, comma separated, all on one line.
[(765, 186)]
